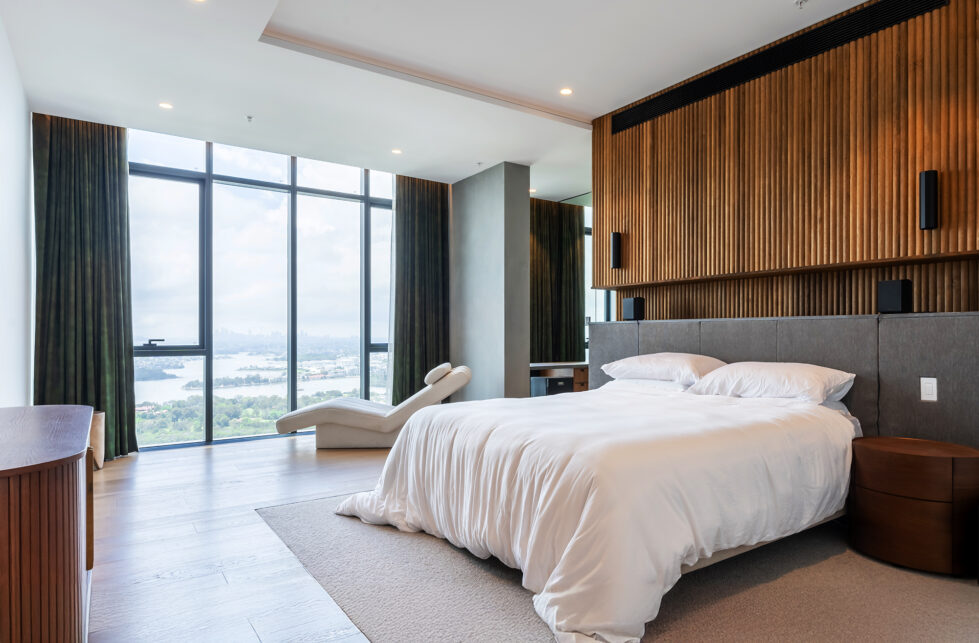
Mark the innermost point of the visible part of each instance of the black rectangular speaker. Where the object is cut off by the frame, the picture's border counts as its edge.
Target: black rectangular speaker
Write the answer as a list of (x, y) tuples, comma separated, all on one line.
[(615, 250), (928, 200), (894, 296), (633, 309)]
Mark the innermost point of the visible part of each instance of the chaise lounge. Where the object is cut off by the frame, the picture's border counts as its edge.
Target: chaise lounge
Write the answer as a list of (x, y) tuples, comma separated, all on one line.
[(351, 423)]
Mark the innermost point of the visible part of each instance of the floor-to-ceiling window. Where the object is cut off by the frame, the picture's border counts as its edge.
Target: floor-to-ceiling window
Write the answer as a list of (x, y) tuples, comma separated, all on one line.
[(598, 303), (261, 283)]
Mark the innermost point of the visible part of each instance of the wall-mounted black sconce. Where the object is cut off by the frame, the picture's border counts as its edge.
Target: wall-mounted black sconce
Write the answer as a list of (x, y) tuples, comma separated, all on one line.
[(928, 200), (615, 250)]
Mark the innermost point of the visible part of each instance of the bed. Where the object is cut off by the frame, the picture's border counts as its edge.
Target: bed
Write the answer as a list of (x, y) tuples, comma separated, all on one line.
[(604, 498)]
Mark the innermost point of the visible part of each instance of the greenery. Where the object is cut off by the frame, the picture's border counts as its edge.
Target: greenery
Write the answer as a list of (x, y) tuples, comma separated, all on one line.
[(233, 382), (234, 414), (151, 373), (183, 420)]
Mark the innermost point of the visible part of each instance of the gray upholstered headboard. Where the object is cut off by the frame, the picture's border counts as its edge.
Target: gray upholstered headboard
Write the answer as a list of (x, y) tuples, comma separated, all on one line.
[(887, 353), (944, 346)]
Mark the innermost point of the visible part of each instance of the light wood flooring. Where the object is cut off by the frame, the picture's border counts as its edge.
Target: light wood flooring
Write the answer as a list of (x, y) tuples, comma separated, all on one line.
[(181, 554)]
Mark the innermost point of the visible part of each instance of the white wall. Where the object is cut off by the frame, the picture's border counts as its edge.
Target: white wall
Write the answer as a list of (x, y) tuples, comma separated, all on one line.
[(489, 259), (16, 232)]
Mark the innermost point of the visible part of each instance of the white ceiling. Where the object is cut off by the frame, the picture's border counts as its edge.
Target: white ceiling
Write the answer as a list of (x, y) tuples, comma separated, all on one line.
[(460, 83)]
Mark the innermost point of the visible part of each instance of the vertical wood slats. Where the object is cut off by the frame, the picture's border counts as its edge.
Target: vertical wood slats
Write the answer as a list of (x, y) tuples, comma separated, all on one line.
[(814, 165), (951, 286), (42, 566)]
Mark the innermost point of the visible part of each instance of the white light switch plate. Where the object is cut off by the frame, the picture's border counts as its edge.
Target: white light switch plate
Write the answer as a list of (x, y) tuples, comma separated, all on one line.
[(929, 389)]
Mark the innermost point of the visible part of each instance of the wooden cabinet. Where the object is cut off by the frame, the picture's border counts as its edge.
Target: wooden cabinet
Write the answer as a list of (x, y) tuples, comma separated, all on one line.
[(915, 503), (576, 372), (45, 515)]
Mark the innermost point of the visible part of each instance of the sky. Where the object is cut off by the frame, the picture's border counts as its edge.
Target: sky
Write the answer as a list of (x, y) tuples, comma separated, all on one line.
[(250, 252)]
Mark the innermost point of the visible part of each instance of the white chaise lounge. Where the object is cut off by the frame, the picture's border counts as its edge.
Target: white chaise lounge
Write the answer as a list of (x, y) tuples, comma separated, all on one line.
[(350, 423)]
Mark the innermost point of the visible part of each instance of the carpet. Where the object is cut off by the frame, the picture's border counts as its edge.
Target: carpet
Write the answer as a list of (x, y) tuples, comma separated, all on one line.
[(399, 587)]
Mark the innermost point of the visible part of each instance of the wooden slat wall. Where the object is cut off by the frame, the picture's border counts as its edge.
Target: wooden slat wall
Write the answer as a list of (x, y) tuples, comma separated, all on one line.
[(939, 287), (811, 166)]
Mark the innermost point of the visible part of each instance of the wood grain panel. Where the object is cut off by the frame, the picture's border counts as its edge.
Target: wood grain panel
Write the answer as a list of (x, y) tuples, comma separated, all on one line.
[(42, 577), (810, 167), (43, 583), (921, 538), (945, 286)]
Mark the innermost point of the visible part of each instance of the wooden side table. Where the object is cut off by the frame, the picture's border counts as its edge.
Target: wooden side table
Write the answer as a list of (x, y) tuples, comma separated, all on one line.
[(916, 503), (578, 371)]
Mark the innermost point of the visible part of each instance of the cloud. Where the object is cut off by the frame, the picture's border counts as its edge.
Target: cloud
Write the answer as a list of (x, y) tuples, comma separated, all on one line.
[(250, 255)]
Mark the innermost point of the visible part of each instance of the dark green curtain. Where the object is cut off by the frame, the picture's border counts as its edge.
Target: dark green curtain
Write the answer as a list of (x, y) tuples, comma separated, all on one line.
[(420, 328), (83, 330), (557, 282)]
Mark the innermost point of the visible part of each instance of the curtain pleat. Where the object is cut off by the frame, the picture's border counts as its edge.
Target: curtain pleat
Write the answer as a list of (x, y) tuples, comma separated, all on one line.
[(83, 328), (557, 282), (420, 331)]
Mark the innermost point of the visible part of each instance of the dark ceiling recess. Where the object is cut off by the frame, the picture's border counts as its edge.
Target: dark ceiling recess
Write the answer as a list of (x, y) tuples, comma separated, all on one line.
[(835, 33)]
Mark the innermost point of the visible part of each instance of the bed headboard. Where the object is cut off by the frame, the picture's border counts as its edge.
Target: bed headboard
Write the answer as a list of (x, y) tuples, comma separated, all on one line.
[(944, 346), (845, 343), (888, 354)]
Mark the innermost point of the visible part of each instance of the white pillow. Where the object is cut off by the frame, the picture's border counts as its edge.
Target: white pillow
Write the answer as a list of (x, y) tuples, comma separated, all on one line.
[(776, 379), (683, 368), (647, 385)]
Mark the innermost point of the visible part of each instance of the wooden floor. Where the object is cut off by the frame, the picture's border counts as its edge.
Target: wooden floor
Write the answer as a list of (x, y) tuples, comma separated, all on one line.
[(181, 554)]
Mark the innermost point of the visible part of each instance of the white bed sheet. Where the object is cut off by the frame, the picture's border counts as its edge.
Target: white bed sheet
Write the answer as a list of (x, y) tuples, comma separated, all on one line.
[(601, 497)]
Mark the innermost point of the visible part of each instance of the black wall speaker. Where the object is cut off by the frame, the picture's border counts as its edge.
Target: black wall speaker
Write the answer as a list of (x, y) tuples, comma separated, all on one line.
[(633, 309), (928, 199), (615, 250), (894, 296)]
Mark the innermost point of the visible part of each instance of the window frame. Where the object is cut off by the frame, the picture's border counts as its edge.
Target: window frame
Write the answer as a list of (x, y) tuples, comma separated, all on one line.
[(205, 347), (180, 176), (607, 295)]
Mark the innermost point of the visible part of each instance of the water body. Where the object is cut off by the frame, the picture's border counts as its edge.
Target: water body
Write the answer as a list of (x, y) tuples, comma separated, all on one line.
[(241, 365)]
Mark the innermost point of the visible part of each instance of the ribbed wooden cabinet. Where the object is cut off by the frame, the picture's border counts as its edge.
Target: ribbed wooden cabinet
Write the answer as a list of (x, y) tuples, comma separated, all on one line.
[(45, 515)]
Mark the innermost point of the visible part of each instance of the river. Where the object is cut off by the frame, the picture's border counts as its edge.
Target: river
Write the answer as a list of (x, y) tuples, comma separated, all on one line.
[(242, 364)]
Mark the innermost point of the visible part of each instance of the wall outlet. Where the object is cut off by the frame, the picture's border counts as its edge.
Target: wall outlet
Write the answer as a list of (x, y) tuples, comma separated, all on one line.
[(929, 389)]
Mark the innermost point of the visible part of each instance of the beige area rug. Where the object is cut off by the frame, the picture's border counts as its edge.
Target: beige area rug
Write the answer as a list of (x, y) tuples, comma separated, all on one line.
[(400, 587)]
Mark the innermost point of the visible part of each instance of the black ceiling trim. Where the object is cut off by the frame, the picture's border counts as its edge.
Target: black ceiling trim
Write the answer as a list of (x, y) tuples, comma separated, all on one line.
[(835, 33)]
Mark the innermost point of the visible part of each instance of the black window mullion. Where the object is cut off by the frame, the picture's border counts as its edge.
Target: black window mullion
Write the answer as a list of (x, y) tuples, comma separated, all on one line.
[(207, 300), (160, 172), (202, 301), (169, 351), (343, 196), (365, 289), (251, 183), (293, 330), (383, 204)]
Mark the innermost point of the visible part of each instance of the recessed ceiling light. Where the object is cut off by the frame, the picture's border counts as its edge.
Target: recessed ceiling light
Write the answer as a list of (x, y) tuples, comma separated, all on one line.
[(567, 91), (166, 106), (533, 190), (396, 151)]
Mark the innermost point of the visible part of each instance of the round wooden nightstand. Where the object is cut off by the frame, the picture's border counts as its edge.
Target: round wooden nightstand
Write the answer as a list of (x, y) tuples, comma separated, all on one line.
[(914, 503)]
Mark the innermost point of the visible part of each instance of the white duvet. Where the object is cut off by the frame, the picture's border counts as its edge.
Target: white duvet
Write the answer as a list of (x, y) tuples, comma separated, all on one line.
[(601, 497)]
